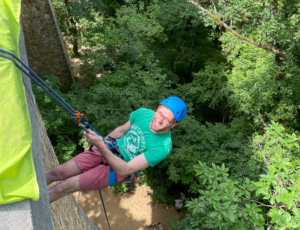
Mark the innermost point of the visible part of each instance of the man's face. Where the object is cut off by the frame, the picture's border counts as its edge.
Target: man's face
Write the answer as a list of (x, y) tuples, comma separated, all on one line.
[(162, 119)]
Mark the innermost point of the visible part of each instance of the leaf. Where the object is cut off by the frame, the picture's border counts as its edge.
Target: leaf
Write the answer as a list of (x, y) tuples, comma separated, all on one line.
[(296, 212), (253, 187), (263, 191), (214, 166), (272, 201), (282, 228), (287, 217), (231, 216), (247, 181)]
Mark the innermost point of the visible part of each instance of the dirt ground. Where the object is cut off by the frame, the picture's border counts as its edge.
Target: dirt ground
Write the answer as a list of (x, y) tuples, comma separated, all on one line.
[(126, 211)]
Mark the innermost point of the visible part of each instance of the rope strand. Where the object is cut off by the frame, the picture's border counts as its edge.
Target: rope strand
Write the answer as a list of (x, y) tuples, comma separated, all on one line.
[(38, 80)]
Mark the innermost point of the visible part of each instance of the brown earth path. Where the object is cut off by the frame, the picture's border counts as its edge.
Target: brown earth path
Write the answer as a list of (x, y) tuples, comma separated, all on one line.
[(126, 211)]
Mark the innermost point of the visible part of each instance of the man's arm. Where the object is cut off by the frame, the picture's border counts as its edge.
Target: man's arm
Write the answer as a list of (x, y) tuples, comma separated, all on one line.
[(121, 167), (120, 131)]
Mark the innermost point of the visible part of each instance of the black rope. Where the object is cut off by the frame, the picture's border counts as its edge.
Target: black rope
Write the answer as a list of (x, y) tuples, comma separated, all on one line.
[(104, 209)]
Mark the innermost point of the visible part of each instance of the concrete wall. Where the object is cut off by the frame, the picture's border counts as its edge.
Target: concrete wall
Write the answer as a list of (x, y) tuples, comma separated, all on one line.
[(64, 214), (44, 44), (41, 215), (29, 214)]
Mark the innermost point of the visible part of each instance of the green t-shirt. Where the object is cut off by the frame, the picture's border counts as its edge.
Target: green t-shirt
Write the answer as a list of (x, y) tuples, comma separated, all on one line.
[(141, 140)]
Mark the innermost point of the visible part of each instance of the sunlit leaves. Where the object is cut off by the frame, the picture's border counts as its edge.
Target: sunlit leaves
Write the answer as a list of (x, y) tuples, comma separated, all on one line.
[(274, 199)]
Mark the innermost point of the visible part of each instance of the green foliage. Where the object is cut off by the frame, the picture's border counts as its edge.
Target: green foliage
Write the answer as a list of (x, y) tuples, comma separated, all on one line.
[(209, 94), (281, 186), (210, 143), (261, 82), (255, 84), (121, 187), (147, 50), (209, 85), (236, 204), (262, 20), (222, 200), (188, 45), (193, 142)]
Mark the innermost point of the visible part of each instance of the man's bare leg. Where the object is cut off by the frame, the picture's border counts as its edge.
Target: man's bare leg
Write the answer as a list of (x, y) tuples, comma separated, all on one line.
[(64, 188), (62, 172)]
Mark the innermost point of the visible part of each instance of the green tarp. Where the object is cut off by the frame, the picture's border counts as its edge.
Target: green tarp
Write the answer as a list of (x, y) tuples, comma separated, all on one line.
[(17, 173)]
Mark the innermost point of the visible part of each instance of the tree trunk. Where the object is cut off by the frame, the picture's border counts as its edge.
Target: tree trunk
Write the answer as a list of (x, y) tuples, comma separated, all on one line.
[(72, 29)]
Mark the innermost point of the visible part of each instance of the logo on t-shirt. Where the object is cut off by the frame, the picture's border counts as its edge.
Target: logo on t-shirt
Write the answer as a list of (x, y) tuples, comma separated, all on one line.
[(134, 142)]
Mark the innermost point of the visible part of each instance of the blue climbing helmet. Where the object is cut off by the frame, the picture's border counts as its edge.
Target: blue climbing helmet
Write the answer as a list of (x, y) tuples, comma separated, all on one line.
[(177, 107)]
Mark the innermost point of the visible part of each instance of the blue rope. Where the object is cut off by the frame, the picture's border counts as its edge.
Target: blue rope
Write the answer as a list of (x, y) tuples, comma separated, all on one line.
[(39, 82)]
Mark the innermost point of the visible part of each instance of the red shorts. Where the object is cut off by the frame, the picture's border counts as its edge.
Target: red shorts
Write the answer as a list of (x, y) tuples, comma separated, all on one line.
[(95, 170)]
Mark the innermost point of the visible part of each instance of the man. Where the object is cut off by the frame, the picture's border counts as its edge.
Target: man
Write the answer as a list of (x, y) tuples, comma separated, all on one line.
[(143, 141)]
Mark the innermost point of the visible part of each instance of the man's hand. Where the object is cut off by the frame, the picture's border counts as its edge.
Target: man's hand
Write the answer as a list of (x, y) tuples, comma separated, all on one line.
[(93, 138)]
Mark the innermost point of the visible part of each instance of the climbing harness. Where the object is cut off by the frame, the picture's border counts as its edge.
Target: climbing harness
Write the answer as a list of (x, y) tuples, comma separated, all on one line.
[(112, 180), (113, 146), (76, 116)]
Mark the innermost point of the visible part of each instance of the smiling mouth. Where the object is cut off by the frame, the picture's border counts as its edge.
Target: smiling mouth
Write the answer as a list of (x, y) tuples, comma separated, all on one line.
[(157, 123)]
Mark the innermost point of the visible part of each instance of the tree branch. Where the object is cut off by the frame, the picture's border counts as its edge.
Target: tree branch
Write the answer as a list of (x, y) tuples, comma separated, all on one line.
[(214, 7), (261, 204), (217, 18), (260, 117), (250, 225)]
